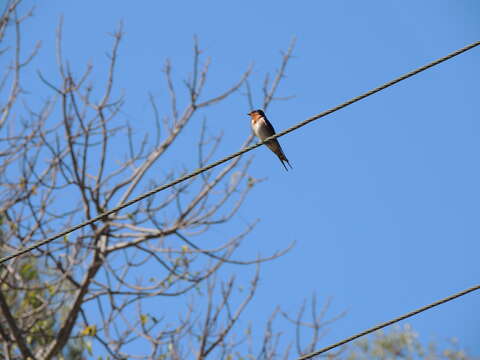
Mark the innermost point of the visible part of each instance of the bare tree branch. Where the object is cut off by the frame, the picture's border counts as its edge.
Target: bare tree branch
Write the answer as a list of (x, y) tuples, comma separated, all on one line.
[(61, 164)]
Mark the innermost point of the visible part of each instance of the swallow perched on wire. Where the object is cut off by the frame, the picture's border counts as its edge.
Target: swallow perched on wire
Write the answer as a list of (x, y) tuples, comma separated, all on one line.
[(263, 129)]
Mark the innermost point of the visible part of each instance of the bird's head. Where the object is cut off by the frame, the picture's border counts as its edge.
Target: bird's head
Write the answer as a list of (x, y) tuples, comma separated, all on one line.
[(255, 114)]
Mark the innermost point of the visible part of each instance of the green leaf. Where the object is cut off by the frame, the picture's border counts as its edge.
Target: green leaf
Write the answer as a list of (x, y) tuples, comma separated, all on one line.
[(88, 346), (28, 271)]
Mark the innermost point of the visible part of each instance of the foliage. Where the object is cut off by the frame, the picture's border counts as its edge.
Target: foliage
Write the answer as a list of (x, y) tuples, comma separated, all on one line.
[(402, 343)]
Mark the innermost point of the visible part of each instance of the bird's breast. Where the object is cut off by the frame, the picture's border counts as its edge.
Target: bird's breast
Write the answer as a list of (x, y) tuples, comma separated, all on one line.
[(260, 129)]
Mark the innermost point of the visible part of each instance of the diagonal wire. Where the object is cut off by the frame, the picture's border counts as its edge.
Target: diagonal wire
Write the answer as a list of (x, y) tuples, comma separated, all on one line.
[(238, 153), (385, 324)]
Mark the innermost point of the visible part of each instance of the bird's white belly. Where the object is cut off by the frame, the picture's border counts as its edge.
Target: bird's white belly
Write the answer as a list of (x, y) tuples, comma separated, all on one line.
[(260, 130)]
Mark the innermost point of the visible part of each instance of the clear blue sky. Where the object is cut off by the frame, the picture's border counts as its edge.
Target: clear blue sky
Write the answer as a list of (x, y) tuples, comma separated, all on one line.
[(383, 201)]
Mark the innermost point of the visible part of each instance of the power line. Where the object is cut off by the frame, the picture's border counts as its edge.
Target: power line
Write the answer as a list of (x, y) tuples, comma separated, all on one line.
[(234, 155), (385, 324)]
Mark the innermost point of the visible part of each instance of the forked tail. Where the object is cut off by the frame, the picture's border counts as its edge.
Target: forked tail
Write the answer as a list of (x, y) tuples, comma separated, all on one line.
[(284, 160)]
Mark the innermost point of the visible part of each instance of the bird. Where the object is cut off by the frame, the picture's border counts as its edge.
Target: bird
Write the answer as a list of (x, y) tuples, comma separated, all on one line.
[(263, 129)]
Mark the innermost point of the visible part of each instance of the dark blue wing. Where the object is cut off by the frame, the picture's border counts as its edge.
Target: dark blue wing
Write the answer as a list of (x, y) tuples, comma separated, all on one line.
[(269, 126)]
